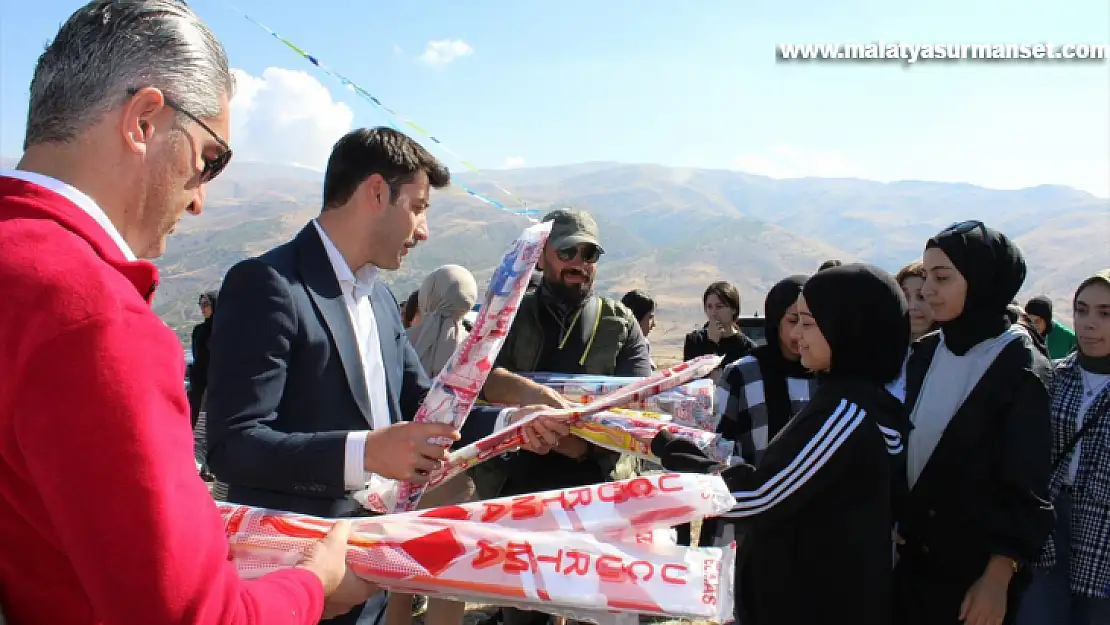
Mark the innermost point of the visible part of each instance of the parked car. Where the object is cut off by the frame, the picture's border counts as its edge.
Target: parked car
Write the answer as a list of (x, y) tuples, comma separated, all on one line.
[(752, 327)]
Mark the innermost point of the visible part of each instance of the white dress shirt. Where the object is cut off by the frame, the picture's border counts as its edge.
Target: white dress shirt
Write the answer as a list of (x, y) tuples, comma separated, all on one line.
[(356, 295), (82, 201)]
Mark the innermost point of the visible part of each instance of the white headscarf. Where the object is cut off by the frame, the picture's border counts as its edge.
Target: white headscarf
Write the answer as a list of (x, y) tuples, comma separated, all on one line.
[(446, 295)]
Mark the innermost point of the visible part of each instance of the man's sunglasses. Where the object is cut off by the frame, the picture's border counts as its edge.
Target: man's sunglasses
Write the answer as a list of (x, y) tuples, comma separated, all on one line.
[(964, 227), (213, 165), (590, 253)]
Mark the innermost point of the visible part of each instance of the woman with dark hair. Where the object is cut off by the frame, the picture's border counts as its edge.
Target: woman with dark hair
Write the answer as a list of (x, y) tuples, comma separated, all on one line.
[(978, 457), (911, 278), (1072, 583), (644, 308), (721, 333), (816, 509), (410, 311)]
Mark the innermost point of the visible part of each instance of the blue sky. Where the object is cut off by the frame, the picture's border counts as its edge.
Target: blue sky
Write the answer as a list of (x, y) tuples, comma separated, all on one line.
[(684, 84)]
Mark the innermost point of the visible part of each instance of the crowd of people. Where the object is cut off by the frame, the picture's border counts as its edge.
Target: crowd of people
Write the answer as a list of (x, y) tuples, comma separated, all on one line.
[(908, 449)]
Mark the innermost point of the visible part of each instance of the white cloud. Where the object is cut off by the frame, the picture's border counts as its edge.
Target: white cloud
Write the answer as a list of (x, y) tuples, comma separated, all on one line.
[(440, 53), (513, 161), (286, 116), (783, 161)]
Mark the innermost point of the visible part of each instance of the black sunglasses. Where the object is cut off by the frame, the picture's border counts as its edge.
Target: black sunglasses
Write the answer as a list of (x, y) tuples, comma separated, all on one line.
[(963, 227), (590, 253), (213, 165)]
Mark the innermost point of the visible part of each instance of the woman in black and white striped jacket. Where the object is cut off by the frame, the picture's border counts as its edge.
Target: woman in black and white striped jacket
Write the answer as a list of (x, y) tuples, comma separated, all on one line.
[(757, 395), (1072, 581)]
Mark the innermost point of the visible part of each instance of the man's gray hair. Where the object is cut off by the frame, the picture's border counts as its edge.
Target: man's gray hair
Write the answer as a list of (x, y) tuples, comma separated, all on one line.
[(110, 46)]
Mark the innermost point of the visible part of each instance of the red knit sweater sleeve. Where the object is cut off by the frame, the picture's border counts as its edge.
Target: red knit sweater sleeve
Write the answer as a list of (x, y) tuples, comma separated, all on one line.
[(103, 424)]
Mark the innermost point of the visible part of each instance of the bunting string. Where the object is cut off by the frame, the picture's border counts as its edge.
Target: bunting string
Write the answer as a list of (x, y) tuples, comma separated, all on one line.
[(392, 115)]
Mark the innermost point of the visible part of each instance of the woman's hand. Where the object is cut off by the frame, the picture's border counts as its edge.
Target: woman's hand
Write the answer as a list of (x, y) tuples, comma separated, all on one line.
[(729, 328), (714, 330), (985, 601)]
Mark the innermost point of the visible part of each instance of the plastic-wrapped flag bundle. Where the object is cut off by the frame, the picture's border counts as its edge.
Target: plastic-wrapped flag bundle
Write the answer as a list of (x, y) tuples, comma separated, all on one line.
[(583, 552), (456, 388), (376, 497), (630, 432), (613, 510), (690, 404)]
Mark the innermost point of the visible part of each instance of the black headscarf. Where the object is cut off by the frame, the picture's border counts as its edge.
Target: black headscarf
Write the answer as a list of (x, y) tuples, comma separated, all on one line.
[(211, 297), (773, 366), (994, 270), (865, 319), (198, 374)]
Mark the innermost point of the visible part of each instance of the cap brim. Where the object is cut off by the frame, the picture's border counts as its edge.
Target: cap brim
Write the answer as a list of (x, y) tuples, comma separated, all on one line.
[(576, 239)]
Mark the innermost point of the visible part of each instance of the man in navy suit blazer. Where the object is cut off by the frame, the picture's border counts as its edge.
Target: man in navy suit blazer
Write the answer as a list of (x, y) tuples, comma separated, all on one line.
[(313, 382)]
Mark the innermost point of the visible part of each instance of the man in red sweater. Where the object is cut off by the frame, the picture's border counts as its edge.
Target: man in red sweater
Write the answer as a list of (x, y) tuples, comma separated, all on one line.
[(103, 518)]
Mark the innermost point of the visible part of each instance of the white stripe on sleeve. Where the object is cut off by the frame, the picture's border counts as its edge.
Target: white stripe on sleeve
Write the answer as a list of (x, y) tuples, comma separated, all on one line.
[(893, 440), (838, 427)]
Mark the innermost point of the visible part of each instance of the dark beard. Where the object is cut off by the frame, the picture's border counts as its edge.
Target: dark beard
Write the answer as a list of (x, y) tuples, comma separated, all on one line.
[(565, 295)]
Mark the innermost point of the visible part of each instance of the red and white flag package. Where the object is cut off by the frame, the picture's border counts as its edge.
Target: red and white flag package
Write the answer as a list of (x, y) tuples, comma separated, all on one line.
[(583, 552), (611, 510), (631, 432), (379, 495), (456, 388), (690, 404)]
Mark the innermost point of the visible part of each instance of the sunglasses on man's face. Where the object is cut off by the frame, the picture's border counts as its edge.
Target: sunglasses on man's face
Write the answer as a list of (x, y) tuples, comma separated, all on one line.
[(213, 165), (590, 253)]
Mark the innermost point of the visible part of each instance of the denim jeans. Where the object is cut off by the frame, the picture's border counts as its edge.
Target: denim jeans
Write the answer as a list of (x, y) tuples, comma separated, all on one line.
[(1049, 600)]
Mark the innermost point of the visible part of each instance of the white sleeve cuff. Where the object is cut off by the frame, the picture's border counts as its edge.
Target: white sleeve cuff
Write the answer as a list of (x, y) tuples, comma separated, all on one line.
[(502, 420), (354, 462)]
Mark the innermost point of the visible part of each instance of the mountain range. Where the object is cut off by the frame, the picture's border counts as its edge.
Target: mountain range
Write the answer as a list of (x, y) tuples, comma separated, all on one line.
[(669, 231)]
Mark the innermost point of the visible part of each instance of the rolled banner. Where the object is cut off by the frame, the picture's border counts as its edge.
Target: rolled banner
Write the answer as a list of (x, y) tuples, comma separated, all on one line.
[(552, 571), (455, 389), (377, 496), (624, 509), (631, 432)]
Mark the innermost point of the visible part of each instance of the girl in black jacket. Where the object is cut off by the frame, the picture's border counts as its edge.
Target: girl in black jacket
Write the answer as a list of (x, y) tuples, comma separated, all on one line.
[(978, 456), (817, 509)]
